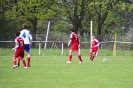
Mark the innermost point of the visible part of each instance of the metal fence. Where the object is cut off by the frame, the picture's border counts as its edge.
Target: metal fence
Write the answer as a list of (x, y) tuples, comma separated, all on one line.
[(55, 40)]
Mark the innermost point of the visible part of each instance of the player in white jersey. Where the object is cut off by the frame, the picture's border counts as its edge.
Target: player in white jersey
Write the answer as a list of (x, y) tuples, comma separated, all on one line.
[(27, 37)]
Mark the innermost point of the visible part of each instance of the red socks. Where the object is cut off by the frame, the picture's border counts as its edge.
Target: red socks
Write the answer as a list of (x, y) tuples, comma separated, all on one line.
[(79, 56), (70, 57), (14, 62), (91, 56), (24, 63), (18, 59), (28, 59)]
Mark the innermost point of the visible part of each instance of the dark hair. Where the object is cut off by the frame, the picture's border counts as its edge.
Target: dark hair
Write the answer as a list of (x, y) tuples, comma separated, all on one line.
[(24, 26), (17, 33), (72, 30)]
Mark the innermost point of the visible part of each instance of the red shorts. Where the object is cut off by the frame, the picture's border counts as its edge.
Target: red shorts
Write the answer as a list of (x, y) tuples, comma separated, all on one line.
[(74, 47), (19, 52), (94, 50)]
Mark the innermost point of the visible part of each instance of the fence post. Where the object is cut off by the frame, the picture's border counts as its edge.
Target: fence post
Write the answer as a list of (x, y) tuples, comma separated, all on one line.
[(39, 48), (62, 48)]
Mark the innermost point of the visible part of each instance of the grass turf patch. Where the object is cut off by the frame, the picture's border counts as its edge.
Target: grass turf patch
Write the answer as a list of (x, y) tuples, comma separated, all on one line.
[(53, 72), (58, 52)]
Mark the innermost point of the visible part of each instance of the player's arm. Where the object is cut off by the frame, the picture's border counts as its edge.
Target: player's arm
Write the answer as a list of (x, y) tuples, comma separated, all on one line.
[(16, 45), (70, 40), (30, 37), (79, 42), (98, 43), (20, 34)]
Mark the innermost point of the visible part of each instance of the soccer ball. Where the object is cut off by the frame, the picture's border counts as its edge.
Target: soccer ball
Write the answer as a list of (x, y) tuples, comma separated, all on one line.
[(105, 60)]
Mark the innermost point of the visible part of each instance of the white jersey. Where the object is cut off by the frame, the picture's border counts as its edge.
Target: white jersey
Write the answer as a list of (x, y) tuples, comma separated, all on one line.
[(26, 35)]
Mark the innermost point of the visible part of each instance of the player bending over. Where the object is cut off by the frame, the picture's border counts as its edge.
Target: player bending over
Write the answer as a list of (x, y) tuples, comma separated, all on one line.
[(19, 50), (94, 47), (74, 41)]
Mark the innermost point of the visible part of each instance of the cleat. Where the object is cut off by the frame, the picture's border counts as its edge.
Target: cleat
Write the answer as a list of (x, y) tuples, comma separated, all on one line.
[(68, 62), (14, 66), (80, 62), (18, 64), (25, 67), (28, 66), (91, 59)]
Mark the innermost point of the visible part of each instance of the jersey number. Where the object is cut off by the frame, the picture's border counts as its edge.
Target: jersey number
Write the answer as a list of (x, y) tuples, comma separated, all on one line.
[(76, 37), (24, 35)]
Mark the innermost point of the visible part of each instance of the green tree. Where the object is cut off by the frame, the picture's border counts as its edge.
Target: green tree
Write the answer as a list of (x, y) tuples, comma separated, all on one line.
[(6, 24), (30, 11), (100, 12), (118, 17), (73, 11), (79, 13)]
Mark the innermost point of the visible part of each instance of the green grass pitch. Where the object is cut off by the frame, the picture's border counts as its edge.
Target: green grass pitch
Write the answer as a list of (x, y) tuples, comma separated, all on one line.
[(53, 72)]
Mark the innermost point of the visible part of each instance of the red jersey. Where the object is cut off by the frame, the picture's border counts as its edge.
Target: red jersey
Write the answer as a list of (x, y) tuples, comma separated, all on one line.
[(95, 43), (19, 43), (74, 39)]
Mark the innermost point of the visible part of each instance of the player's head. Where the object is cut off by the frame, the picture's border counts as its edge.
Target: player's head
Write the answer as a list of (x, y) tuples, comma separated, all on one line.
[(73, 30), (92, 37), (17, 33), (24, 26)]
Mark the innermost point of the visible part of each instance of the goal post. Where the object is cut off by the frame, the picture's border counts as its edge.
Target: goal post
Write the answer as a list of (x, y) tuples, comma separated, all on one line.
[(47, 35), (90, 33)]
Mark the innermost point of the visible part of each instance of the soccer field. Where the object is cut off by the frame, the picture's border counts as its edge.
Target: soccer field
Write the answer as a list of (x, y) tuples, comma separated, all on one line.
[(53, 72)]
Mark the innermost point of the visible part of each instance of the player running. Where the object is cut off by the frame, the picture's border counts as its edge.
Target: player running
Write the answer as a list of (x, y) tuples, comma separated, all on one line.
[(94, 47), (27, 37), (19, 50), (74, 41)]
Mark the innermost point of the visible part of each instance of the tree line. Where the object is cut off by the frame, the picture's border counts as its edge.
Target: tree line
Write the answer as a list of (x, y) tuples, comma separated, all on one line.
[(108, 16)]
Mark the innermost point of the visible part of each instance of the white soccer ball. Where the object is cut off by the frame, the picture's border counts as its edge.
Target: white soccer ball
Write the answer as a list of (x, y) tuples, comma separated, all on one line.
[(105, 60)]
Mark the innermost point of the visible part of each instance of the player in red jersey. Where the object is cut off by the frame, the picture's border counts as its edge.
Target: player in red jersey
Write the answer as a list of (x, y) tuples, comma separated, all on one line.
[(19, 50), (74, 41), (94, 47)]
